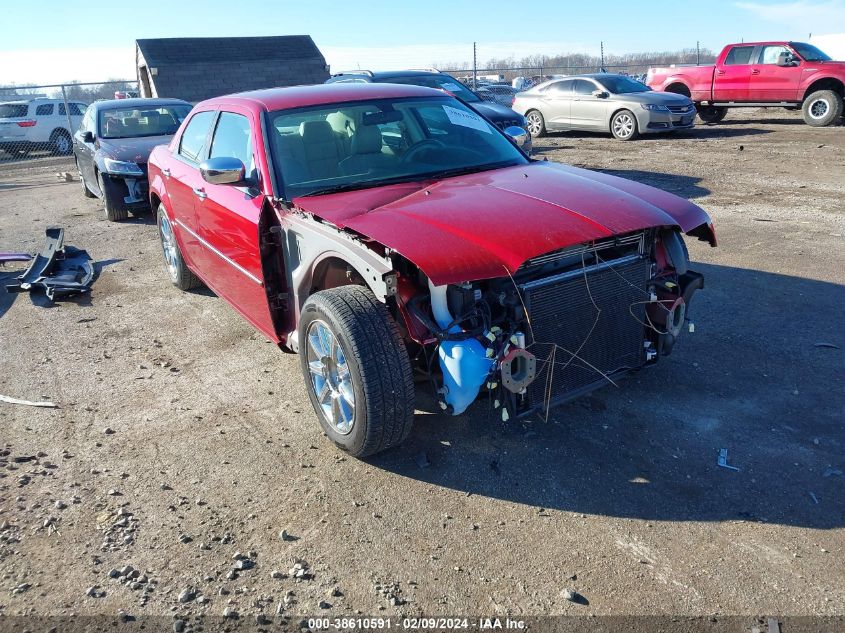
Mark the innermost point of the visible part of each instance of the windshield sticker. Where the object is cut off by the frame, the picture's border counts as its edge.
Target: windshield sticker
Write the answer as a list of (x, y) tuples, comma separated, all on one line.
[(466, 119), (451, 87)]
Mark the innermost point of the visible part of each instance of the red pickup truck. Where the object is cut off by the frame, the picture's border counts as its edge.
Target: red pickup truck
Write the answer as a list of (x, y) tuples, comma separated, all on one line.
[(789, 74)]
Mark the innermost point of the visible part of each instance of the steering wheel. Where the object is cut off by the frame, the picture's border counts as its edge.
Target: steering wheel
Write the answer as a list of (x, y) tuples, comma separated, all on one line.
[(416, 148)]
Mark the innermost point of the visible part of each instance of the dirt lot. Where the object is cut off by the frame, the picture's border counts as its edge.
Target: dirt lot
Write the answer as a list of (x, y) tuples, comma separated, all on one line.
[(183, 437)]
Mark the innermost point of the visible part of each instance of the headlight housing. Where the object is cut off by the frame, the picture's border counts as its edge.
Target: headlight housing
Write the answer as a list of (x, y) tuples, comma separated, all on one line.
[(122, 168), (654, 107)]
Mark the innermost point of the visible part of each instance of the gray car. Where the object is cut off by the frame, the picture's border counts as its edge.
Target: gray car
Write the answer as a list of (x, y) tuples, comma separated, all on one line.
[(603, 103)]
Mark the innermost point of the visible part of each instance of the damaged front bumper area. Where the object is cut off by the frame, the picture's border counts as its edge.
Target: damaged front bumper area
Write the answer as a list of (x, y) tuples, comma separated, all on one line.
[(564, 324), (125, 191)]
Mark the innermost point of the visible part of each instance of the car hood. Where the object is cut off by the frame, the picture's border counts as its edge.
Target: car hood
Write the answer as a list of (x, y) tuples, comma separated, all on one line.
[(485, 225), (496, 112), (136, 150), (653, 96)]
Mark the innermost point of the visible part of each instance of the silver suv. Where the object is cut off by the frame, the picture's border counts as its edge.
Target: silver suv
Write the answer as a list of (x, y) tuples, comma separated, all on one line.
[(40, 123)]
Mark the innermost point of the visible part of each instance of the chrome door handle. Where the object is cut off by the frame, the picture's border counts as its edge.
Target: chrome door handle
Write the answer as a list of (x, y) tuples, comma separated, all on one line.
[(166, 173), (200, 193)]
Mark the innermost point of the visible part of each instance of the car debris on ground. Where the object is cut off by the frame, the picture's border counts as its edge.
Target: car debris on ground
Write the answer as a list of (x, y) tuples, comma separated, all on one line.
[(61, 271)]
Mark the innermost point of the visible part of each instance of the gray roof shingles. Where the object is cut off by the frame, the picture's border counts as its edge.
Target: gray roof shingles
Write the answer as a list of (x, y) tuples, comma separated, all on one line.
[(186, 50)]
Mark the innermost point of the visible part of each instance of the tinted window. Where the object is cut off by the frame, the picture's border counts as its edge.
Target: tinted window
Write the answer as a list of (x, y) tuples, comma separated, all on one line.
[(233, 139), (75, 110), (583, 87), (45, 109), (12, 110), (739, 55), (194, 136), (440, 81), (810, 52), (620, 85), (561, 87)]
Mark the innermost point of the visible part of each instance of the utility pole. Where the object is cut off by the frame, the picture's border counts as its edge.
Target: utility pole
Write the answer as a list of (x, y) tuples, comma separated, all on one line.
[(697, 53), (602, 58), (474, 67)]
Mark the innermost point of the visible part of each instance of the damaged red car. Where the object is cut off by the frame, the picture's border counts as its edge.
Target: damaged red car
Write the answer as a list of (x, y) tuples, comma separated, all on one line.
[(388, 232)]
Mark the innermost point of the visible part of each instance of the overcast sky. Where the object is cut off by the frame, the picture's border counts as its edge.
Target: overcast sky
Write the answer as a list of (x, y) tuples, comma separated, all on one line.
[(92, 45)]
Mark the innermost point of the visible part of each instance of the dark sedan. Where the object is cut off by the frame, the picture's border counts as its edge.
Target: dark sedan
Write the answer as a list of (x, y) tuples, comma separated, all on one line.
[(113, 144)]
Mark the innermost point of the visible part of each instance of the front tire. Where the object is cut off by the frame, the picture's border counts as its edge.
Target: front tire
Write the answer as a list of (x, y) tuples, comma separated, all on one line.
[(822, 108), (712, 114), (180, 275), (357, 370), (536, 124), (623, 126), (112, 212)]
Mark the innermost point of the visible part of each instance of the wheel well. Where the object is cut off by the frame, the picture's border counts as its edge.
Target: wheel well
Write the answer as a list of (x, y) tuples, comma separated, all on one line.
[(154, 202), (58, 131), (333, 272), (679, 89), (828, 83)]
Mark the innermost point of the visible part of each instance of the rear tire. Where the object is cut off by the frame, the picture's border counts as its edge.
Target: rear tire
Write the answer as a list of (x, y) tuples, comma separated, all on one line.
[(712, 114), (623, 126), (112, 212), (822, 108), (180, 275), (536, 124), (60, 143), (363, 394)]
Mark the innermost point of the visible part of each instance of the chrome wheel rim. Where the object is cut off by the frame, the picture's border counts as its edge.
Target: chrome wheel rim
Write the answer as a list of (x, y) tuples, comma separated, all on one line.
[(623, 125), (330, 377), (819, 108), (534, 124), (168, 247)]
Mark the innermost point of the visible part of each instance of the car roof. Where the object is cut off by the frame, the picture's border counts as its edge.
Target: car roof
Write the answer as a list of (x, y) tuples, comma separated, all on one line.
[(139, 103), (301, 96), (381, 75)]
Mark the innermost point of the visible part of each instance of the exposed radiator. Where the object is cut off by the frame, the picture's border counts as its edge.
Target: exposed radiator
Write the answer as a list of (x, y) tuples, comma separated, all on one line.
[(562, 312)]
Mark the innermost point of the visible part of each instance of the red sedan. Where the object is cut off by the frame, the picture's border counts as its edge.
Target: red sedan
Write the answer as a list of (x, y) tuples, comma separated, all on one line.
[(382, 230)]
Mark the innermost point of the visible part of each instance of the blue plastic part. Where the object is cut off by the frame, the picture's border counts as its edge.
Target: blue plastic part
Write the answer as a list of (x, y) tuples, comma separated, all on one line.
[(465, 366)]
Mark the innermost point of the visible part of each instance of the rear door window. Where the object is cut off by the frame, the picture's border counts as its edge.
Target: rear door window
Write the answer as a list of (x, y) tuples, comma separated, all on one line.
[(560, 88), (739, 55), (192, 143), (583, 87), (45, 109)]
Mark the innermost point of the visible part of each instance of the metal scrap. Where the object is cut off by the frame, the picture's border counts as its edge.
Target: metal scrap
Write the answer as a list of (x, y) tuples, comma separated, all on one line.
[(28, 403), (14, 257), (723, 459), (59, 270)]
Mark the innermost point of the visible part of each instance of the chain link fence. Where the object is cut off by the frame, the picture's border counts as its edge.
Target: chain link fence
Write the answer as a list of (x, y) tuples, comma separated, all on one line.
[(39, 121)]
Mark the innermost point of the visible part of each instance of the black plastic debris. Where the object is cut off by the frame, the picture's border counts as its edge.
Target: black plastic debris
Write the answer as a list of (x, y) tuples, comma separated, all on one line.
[(59, 270)]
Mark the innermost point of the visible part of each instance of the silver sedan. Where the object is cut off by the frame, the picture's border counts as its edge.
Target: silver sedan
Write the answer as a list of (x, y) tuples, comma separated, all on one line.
[(603, 103)]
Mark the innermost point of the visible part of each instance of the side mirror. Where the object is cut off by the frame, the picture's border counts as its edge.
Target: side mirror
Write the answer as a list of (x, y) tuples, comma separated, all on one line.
[(601, 94), (88, 136), (223, 171), (786, 59), (517, 134)]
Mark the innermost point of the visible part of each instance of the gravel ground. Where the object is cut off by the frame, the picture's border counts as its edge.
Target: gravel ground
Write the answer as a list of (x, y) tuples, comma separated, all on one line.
[(184, 444)]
